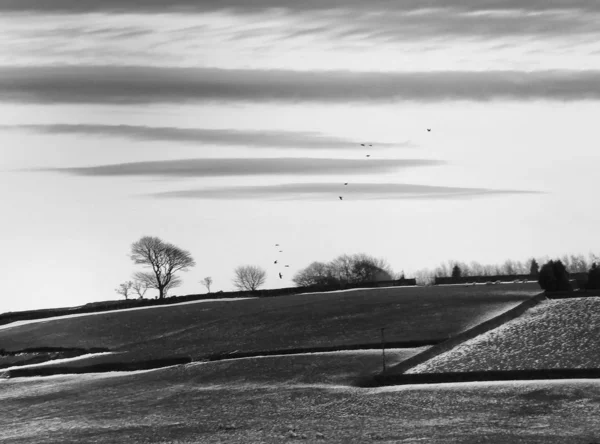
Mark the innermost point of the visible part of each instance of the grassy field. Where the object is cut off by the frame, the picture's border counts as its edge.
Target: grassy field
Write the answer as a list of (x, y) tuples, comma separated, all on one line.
[(272, 399), (562, 333), (212, 403), (311, 320)]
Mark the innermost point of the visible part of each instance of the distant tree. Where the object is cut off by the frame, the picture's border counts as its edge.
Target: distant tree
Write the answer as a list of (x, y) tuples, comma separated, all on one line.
[(553, 276), (164, 259), (249, 277), (341, 268), (316, 274), (366, 268), (534, 268), (124, 289), (509, 267), (207, 282), (456, 272), (593, 282), (140, 288)]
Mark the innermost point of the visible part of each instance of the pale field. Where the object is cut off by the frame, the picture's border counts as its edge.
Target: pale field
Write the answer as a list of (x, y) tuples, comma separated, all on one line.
[(560, 333), (226, 402)]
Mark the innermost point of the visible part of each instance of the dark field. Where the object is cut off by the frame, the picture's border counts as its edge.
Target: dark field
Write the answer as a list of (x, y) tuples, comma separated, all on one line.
[(311, 320)]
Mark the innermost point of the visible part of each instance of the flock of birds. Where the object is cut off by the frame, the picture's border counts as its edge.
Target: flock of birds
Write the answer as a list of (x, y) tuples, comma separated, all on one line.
[(368, 155), (276, 262)]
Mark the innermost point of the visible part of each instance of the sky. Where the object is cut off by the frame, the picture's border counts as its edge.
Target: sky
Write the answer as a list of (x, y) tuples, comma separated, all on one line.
[(226, 127)]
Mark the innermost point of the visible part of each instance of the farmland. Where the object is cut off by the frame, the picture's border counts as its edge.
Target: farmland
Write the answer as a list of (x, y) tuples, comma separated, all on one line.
[(309, 396), (562, 333), (311, 320)]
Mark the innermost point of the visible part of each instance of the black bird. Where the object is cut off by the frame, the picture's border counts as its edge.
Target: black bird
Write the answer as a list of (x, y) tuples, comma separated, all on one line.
[(341, 198), (362, 144), (346, 183), (276, 245), (281, 251), (429, 129), (275, 262), (280, 276), (368, 155), (287, 265), (370, 145)]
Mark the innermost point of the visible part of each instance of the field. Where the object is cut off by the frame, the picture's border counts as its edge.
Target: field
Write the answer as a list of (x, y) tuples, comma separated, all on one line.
[(308, 397), (187, 405), (312, 320), (562, 333)]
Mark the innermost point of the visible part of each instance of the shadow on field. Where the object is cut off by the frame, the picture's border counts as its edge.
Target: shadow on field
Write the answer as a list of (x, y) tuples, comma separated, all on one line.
[(495, 375)]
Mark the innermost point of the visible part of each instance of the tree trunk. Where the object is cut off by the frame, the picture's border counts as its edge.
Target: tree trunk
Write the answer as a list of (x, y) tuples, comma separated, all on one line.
[(161, 293)]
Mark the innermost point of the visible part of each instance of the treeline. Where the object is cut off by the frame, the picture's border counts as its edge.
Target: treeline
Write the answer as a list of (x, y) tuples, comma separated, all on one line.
[(575, 263), (346, 270)]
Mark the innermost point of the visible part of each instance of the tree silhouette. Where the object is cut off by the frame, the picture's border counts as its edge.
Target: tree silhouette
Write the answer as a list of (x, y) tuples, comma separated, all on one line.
[(164, 259), (249, 277), (456, 272), (207, 282), (124, 289)]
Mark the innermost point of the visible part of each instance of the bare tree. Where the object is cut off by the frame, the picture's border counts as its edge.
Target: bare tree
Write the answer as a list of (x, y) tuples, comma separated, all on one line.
[(207, 282), (317, 273), (140, 288), (124, 289), (164, 259), (249, 277)]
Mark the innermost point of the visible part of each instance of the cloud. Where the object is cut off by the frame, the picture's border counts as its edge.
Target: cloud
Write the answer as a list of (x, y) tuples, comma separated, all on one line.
[(142, 85), (228, 137), (253, 6), (186, 168), (332, 191)]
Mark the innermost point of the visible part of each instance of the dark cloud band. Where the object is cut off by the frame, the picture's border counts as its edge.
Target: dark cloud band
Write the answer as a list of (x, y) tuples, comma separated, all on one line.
[(247, 167), (332, 191), (141, 85), (226, 137), (252, 6)]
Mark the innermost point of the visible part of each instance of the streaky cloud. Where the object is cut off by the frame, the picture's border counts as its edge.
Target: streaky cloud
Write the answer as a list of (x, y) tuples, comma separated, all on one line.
[(222, 167), (210, 136), (332, 191), (254, 6), (144, 85)]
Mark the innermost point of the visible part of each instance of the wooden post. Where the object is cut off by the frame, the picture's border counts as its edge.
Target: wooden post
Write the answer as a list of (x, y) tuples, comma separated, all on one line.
[(383, 350)]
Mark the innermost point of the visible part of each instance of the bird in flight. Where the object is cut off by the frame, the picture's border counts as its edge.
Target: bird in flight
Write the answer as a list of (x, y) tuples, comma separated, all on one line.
[(341, 198), (287, 265), (281, 251), (275, 262), (370, 145), (429, 129), (368, 155), (280, 276), (276, 245), (346, 183), (362, 144)]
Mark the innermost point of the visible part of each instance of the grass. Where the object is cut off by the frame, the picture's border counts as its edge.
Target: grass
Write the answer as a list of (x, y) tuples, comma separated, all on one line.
[(275, 399), (562, 333), (208, 403), (310, 320)]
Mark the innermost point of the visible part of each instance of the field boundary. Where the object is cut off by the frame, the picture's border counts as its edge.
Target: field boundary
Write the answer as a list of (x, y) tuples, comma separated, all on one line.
[(487, 375), (453, 341), (296, 351), (97, 368)]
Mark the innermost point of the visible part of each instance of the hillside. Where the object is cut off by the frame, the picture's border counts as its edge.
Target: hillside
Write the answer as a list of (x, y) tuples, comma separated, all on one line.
[(418, 314), (562, 333)]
